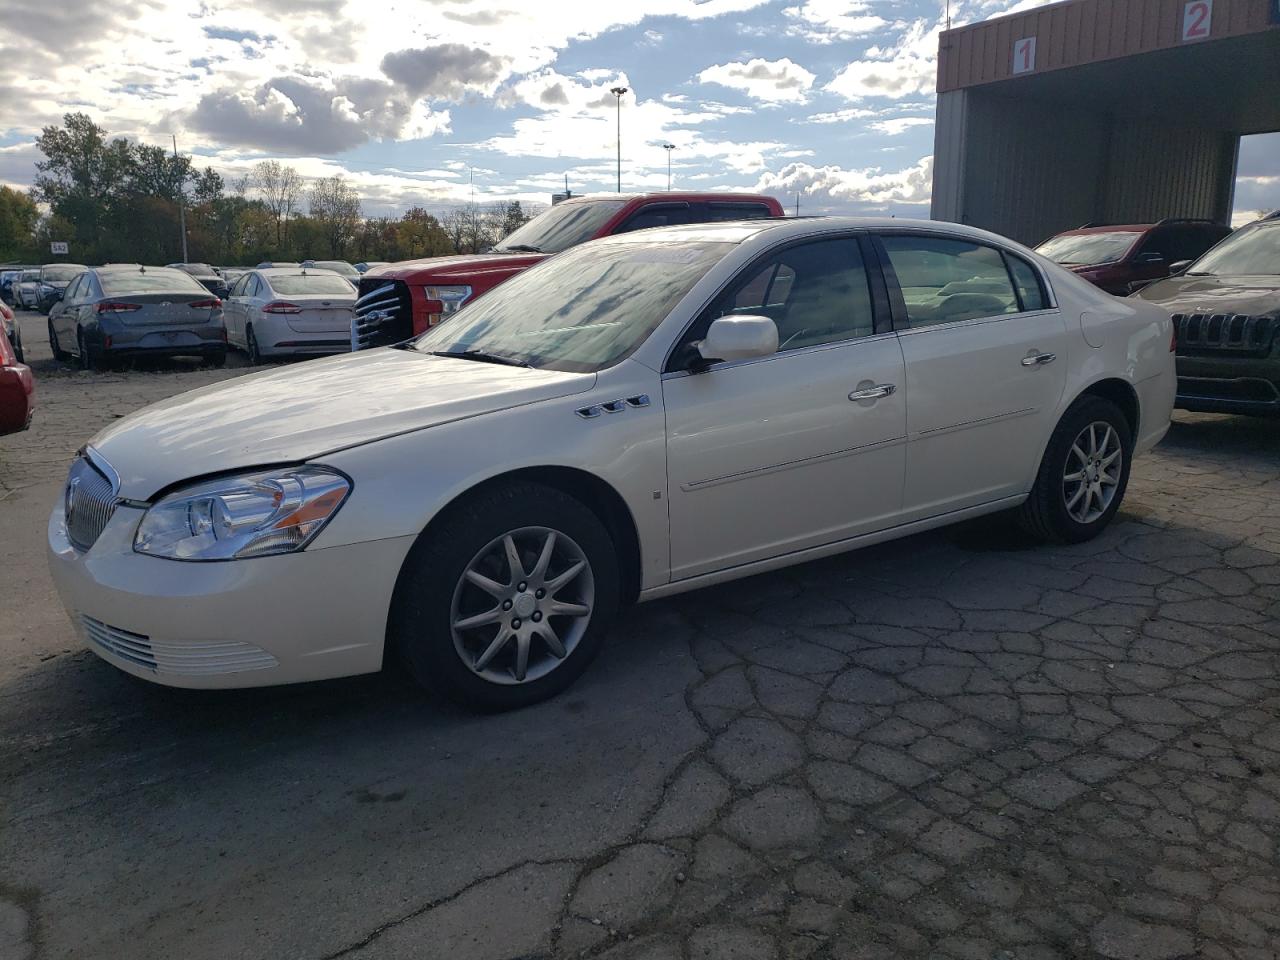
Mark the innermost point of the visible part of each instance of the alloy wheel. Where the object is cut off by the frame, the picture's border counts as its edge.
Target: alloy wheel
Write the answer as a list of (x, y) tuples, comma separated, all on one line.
[(522, 605), (1092, 473)]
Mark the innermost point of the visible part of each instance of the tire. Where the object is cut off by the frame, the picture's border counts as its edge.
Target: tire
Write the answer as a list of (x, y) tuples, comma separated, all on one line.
[(434, 593), (251, 346), (89, 358), (58, 353), (1058, 509), (217, 360)]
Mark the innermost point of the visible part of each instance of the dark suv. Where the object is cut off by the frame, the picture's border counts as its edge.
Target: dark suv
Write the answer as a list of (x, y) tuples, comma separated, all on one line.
[(1120, 258), (1226, 312)]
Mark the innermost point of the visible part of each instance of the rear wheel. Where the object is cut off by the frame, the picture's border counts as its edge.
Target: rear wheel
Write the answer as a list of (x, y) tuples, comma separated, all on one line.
[(251, 346), (88, 358), (507, 600), (217, 360), (58, 353), (1083, 476)]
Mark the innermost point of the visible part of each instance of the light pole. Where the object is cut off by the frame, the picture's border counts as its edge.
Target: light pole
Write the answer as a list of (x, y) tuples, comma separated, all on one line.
[(668, 147), (618, 92)]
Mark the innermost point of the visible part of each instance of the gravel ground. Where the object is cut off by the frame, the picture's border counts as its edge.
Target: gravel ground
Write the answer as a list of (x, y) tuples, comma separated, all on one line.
[(955, 746)]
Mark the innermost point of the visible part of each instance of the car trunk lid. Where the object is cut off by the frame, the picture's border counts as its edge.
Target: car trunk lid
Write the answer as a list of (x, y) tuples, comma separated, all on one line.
[(169, 309)]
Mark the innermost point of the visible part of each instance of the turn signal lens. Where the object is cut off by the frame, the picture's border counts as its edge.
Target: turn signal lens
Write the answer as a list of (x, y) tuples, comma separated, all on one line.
[(112, 306), (252, 515)]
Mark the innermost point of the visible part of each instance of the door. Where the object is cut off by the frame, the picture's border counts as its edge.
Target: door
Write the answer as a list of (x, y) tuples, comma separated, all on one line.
[(65, 315), (774, 455), (986, 362)]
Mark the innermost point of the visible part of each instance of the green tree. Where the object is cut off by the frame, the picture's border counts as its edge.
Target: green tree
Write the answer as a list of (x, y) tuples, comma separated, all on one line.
[(18, 218), (335, 207)]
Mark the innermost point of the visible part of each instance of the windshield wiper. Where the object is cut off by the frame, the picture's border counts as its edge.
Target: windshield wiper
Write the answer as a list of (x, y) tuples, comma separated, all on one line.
[(481, 356), (519, 248), (1197, 273)]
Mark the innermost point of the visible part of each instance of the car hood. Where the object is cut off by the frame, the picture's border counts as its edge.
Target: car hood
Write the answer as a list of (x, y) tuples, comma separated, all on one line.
[(1254, 296), (460, 269), (310, 409)]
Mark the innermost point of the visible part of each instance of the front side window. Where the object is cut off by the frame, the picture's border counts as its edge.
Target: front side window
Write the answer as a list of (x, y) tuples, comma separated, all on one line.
[(815, 292), (657, 215), (945, 280), (581, 311), (563, 226)]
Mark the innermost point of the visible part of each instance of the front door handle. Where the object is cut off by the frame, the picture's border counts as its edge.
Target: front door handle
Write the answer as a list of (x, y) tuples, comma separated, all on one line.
[(1039, 359), (873, 393)]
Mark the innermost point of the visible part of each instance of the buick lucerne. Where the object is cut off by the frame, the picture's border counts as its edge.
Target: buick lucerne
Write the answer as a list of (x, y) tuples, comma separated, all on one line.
[(641, 415)]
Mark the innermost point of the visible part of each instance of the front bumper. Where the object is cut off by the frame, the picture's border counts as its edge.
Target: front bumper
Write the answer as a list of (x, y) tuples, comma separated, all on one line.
[(245, 623), (1226, 384)]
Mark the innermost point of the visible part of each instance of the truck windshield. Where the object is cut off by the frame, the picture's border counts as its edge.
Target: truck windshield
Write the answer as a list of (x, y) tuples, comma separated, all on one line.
[(1252, 251), (1075, 249), (582, 311), (561, 227)]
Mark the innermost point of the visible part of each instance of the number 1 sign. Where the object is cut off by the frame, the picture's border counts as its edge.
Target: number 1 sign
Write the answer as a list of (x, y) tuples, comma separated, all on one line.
[(1197, 20), (1024, 55)]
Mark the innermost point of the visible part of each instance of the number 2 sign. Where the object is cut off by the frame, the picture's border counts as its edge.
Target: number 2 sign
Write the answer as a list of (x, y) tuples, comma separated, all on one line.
[(1197, 19), (1024, 55)]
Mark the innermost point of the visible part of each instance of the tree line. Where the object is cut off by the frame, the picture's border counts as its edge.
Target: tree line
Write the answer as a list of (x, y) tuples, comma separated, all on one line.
[(116, 200)]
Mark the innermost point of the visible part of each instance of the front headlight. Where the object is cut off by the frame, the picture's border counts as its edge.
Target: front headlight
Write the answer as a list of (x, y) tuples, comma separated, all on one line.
[(250, 515), (449, 301)]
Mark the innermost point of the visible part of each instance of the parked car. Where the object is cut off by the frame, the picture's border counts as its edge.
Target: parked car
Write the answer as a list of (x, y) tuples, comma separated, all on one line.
[(231, 274), (125, 311), (636, 417), (1226, 307), (17, 388), (1121, 257), (403, 299), (12, 329), (26, 289), (268, 264), (205, 275), (285, 311), (8, 277), (364, 266), (54, 278), (340, 267)]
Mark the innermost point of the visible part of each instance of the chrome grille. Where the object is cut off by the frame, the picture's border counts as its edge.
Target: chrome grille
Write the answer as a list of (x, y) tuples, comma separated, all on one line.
[(89, 502), (186, 659), (383, 314), (1225, 333)]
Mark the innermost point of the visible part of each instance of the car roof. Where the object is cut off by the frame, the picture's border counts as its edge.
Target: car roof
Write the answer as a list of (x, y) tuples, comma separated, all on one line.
[(738, 231), (297, 271)]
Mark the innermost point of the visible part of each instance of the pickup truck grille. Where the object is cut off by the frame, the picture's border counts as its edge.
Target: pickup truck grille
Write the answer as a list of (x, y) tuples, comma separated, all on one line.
[(383, 315), (1229, 333)]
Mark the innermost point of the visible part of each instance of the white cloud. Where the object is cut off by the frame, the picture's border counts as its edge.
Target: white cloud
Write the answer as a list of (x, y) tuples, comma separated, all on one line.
[(906, 68), (771, 81), (826, 21), (898, 125), (835, 188)]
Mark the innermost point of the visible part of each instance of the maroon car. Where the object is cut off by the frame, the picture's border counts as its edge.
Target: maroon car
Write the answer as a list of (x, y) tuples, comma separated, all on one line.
[(17, 389), (1121, 257), (400, 300)]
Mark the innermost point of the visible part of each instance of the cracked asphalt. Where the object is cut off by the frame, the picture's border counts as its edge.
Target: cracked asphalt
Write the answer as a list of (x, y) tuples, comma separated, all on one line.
[(957, 746)]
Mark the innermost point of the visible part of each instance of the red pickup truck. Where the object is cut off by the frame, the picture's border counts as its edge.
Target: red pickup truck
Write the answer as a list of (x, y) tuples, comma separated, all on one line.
[(17, 391), (400, 300)]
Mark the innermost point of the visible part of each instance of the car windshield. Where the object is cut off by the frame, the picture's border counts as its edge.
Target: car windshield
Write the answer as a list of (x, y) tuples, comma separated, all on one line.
[(154, 280), (561, 227), (30, 274), (63, 271), (198, 269), (1081, 248), (300, 284), (1250, 252), (582, 311)]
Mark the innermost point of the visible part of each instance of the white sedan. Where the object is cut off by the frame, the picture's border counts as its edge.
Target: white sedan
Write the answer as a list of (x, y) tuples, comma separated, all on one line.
[(639, 416), (288, 311)]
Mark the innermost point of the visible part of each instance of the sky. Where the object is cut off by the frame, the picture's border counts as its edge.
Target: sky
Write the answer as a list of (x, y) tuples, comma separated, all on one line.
[(434, 102)]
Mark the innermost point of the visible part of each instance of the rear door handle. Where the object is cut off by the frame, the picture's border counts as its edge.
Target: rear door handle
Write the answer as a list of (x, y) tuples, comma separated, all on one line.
[(874, 393), (1039, 359)]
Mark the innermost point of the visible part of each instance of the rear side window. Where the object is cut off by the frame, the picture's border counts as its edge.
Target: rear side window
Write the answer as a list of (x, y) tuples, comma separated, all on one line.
[(1027, 283), (720, 212), (944, 280)]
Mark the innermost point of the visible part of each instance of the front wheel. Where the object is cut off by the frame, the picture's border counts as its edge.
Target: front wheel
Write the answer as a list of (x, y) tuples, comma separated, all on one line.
[(1083, 476), (506, 601)]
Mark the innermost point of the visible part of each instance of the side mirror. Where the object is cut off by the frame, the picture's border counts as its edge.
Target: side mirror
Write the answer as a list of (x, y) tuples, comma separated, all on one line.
[(739, 338), (1179, 266), (1150, 257)]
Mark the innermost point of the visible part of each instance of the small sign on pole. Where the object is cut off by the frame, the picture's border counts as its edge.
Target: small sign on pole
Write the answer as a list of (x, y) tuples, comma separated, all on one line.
[(59, 248), (1197, 20), (1024, 55)]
